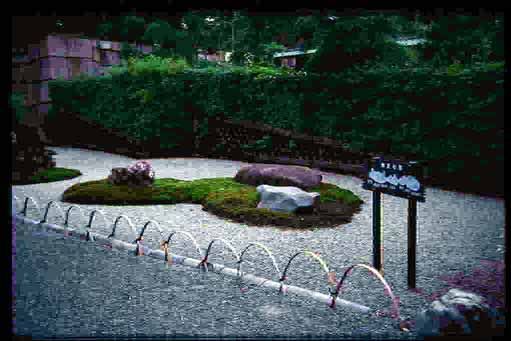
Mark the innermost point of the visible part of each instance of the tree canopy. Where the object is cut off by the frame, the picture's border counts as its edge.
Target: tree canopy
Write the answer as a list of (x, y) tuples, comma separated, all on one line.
[(341, 39)]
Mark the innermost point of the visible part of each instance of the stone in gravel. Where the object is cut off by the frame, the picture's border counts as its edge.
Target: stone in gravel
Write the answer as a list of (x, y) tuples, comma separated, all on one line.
[(287, 199), (278, 175), (457, 313)]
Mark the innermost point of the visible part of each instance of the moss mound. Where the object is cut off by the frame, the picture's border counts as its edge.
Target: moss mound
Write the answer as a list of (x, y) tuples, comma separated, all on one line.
[(223, 197), (50, 175)]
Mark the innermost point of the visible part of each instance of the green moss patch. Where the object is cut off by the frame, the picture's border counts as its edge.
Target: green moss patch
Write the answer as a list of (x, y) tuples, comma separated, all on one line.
[(223, 197), (50, 175)]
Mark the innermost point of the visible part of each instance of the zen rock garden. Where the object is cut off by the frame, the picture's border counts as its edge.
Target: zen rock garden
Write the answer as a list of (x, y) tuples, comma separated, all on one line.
[(259, 194), (285, 197)]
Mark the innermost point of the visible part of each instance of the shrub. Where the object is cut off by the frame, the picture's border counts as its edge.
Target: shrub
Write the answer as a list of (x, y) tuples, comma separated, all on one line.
[(18, 106), (376, 108), (151, 63)]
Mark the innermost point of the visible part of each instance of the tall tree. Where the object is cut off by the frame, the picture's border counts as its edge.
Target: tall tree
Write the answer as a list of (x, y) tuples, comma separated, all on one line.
[(352, 40), (465, 39), (132, 27)]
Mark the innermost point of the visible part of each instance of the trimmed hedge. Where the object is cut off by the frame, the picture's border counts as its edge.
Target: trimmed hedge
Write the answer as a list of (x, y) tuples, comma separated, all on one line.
[(450, 121)]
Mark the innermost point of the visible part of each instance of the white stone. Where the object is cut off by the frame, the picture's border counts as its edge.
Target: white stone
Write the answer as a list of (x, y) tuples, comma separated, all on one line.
[(286, 198)]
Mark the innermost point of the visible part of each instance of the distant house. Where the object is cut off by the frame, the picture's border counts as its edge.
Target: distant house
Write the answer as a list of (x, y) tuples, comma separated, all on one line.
[(293, 58), (212, 56), (409, 41)]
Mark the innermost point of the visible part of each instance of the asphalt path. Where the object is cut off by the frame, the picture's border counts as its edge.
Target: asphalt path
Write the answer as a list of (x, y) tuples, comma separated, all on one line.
[(73, 288)]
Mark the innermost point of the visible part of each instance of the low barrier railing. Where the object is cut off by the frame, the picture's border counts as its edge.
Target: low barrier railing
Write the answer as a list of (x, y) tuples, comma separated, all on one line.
[(332, 299)]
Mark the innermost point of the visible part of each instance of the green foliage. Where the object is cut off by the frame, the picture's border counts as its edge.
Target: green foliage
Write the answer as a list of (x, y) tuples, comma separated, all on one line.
[(54, 174), (454, 69), (292, 144), (412, 55), (132, 27), (467, 39), (497, 66), (263, 144), (268, 50), (332, 193), (151, 63), (351, 41), (378, 108), (17, 105), (128, 51), (116, 70), (105, 29), (395, 55), (404, 26), (160, 32)]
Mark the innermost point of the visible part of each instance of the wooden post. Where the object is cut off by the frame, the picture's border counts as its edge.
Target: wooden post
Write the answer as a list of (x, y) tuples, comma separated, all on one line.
[(412, 234), (377, 242)]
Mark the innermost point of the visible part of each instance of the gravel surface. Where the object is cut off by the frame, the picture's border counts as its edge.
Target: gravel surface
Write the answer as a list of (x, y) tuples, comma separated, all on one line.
[(69, 288)]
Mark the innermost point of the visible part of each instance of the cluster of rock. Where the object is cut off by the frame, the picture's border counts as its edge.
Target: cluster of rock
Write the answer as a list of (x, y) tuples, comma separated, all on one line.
[(140, 174), (282, 188), (459, 313), (29, 154)]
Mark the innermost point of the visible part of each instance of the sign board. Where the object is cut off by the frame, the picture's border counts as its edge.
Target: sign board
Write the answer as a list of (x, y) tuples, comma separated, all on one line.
[(401, 179), (397, 178)]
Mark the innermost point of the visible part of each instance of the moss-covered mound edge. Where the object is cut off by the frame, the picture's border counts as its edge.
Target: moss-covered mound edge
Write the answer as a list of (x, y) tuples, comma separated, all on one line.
[(50, 175), (223, 197)]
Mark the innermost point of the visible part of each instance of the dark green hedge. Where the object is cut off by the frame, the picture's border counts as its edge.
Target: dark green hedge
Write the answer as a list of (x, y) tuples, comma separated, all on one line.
[(452, 120), (143, 107)]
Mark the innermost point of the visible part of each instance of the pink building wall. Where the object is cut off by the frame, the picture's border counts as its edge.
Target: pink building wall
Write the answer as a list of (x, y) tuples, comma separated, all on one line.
[(63, 56)]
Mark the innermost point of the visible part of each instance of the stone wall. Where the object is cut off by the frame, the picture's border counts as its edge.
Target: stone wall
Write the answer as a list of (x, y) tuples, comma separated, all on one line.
[(238, 141)]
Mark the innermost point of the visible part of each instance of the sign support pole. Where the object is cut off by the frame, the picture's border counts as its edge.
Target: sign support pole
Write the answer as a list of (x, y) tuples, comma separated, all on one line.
[(377, 243), (412, 238), (401, 179)]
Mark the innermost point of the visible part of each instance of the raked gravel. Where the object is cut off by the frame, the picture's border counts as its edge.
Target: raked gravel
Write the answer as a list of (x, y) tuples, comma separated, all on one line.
[(68, 287)]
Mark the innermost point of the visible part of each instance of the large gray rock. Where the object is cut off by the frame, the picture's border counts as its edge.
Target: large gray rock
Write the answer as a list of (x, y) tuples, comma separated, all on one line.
[(457, 313), (287, 199), (278, 175)]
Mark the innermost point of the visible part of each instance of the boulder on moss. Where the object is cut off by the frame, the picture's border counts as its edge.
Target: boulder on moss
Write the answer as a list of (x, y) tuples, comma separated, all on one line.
[(119, 176), (287, 199), (122, 176), (278, 175)]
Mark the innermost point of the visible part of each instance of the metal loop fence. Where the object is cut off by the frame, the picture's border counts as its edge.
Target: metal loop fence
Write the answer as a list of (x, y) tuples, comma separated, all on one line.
[(332, 299)]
